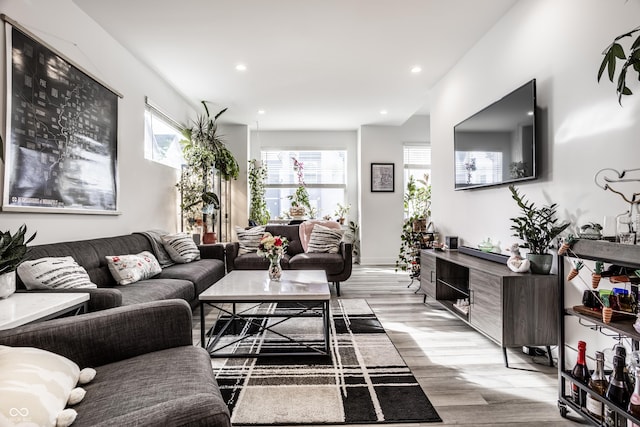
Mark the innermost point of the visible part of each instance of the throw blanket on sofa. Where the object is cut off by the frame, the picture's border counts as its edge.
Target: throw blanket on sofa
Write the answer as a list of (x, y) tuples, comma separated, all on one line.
[(307, 227), (155, 237)]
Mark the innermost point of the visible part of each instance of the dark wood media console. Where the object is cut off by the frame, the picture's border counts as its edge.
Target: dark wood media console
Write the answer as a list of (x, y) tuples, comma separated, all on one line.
[(512, 309)]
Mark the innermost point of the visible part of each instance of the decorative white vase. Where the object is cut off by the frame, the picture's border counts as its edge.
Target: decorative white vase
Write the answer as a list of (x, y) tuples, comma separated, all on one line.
[(7, 284)]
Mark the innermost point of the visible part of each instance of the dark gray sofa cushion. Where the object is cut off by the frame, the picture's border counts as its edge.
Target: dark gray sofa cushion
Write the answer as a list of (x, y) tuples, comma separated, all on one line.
[(202, 273), (330, 263), (157, 289), (154, 389)]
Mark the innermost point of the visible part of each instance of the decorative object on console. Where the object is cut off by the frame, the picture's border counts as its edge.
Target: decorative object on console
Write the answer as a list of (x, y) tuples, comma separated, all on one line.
[(567, 241), (486, 245), (273, 248), (516, 263), (13, 249), (592, 231), (452, 242), (615, 51), (538, 228)]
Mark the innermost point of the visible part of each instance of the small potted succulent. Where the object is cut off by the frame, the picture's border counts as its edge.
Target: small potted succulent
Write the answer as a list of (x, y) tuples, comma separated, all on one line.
[(538, 227), (13, 249)]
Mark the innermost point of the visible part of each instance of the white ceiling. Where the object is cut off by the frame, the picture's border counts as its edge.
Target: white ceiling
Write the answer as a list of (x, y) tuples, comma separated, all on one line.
[(311, 64)]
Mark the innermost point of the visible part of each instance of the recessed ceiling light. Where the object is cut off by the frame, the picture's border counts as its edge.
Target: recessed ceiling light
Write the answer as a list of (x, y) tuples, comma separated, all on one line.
[(416, 69), (383, 112), (241, 67), (261, 112), (529, 113)]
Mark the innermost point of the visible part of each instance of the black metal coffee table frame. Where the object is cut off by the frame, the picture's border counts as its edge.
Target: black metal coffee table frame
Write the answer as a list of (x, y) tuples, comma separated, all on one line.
[(301, 309)]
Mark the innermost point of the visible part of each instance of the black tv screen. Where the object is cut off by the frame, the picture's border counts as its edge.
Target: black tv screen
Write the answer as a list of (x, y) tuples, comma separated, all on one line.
[(498, 144)]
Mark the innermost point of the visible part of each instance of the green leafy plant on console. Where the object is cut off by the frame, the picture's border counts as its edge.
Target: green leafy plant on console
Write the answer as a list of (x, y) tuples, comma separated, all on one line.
[(13, 249)]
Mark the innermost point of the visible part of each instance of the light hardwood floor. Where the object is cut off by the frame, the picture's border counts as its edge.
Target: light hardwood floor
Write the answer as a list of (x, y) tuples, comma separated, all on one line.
[(460, 370)]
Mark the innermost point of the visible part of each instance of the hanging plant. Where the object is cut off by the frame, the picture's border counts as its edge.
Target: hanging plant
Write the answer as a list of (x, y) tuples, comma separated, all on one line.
[(258, 211)]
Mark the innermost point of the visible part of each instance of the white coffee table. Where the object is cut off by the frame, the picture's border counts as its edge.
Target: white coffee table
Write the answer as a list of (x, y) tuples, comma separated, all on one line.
[(307, 291), (21, 308)]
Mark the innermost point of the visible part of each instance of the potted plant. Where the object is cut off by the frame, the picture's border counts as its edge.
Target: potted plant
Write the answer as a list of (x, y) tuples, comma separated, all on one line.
[(13, 249), (204, 152), (300, 202), (615, 51), (537, 226), (258, 212), (342, 211), (417, 205)]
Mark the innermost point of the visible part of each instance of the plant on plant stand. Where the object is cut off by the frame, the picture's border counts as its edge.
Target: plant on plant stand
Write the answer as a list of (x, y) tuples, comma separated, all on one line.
[(342, 211), (417, 205), (204, 151), (538, 227), (300, 198), (13, 249), (258, 212)]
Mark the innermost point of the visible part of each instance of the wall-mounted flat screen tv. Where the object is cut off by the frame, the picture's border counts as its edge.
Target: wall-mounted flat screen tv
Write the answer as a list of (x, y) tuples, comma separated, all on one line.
[(498, 144)]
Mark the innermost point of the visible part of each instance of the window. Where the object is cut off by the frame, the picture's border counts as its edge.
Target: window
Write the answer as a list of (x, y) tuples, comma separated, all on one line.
[(162, 137), (324, 174), (417, 162)]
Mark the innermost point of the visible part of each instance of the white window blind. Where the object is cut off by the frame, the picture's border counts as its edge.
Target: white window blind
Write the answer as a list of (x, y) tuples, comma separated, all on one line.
[(478, 167)]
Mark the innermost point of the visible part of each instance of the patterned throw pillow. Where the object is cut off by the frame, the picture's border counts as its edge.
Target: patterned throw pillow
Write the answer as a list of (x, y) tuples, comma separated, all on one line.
[(249, 239), (36, 386), (324, 239), (181, 247), (54, 273), (127, 269)]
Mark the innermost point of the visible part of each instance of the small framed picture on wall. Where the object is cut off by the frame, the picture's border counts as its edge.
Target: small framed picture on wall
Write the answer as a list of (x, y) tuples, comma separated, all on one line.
[(382, 177)]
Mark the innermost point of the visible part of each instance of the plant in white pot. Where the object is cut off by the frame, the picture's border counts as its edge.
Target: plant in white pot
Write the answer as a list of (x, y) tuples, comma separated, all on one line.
[(537, 226), (13, 249)]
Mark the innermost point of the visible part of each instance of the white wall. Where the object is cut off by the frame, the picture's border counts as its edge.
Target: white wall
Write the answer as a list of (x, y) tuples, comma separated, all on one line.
[(382, 213), (583, 129), (147, 190)]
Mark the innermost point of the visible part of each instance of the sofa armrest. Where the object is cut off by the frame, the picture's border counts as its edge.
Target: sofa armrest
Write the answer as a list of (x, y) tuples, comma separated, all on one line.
[(99, 298), (214, 251), (96, 339), (231, 251)]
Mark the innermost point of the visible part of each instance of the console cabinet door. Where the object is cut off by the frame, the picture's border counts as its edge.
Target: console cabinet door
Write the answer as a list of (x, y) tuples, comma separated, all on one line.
[(428, 274), (485, 312)]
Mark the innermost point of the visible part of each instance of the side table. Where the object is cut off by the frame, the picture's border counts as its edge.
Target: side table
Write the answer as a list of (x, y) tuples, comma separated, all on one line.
[(26, 307)]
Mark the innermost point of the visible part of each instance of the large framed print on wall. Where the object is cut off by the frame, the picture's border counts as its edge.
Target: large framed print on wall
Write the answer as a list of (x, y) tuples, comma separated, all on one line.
[(61, 147)]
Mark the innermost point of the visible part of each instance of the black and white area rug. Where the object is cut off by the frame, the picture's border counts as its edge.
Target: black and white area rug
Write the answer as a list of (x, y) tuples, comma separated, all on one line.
[(364, 380)]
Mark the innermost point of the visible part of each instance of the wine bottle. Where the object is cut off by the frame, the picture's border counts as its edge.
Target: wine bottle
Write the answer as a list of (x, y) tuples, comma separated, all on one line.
[(634, 402), (598, 383), (580, 373), (617, 393), (622, 352)]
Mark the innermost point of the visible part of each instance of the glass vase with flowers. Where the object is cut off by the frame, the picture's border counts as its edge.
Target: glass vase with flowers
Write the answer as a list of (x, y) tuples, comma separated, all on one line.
[(273, 248)]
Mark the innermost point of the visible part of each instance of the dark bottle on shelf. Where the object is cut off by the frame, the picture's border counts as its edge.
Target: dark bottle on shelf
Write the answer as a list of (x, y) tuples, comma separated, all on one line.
[(617, 393), (598, 383), (622, 352), (580, 373), (634, 402)]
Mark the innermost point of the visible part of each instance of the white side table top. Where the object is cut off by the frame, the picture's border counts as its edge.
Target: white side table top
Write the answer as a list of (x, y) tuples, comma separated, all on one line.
[(254, 285), (25, 307)]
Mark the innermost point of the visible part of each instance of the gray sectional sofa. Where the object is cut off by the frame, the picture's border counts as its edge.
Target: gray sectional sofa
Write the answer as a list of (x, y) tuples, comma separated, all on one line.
[(337, 266), (149, 374), (181, 281)]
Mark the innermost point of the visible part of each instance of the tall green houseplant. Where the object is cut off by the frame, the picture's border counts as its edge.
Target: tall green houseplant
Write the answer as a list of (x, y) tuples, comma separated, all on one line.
[(537, 227), (258, 211), (204, 151), (417, 206)]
